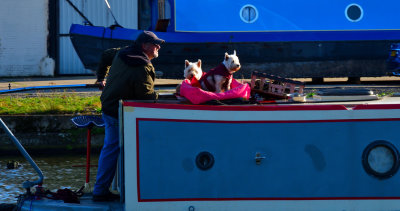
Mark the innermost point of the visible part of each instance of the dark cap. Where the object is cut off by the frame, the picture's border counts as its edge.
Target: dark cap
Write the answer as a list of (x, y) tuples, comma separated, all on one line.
[(148, 37)]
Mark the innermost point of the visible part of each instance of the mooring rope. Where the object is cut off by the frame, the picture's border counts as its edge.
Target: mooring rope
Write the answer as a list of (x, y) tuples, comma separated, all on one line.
[(66, 195)]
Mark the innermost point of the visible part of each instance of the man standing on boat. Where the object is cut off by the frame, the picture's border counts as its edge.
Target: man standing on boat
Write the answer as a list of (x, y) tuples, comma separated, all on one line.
[(130, 77)]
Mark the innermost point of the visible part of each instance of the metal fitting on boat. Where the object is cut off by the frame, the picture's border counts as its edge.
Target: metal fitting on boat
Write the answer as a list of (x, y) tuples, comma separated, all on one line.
[(204, 160), (259, 158)]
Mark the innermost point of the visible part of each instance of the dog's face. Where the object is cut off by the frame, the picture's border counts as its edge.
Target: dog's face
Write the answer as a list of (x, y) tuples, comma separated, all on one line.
[(193, 69), (231, 62)]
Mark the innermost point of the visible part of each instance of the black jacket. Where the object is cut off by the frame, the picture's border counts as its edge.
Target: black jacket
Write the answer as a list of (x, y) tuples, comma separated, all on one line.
[(131, 77)]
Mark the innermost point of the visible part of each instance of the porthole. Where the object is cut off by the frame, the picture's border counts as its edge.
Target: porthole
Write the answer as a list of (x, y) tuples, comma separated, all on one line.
[(204, 160), (354, 12), (381, 159), (248, 13)]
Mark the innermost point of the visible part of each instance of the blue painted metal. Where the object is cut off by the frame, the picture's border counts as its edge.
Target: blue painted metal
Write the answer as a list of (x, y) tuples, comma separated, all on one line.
[(86, 204), (288, 15), (27, 184), (316, 37), (216, 37)]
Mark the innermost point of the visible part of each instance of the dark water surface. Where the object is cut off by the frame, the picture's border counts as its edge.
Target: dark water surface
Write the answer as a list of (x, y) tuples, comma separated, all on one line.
[(59, 172)]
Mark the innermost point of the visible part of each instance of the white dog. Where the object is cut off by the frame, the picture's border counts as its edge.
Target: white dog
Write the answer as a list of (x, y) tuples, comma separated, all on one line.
[(219, 79), (193, 73), (193, 69)]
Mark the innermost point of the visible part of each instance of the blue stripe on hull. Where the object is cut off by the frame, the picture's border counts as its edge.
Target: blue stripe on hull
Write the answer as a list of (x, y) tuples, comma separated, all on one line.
[(238, 37)]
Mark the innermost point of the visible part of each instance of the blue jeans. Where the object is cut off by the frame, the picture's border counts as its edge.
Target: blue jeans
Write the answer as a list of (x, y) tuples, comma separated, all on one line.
[(108, 156)]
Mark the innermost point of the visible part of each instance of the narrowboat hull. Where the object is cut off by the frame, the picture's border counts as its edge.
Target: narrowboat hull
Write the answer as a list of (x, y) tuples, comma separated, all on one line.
[(298, 156), (276, 157), (287, 38), (288, 54)]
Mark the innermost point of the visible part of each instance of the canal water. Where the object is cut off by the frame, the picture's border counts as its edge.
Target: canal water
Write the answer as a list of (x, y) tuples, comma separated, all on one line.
[(63, 171)]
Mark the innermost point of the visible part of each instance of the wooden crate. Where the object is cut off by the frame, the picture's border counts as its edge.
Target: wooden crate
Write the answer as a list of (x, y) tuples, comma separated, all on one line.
[(274, 86)]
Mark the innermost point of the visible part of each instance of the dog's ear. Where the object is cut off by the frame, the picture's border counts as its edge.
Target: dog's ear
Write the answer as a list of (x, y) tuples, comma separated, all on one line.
[(199, 63), (226, 56), (186, 63), (234, 52)]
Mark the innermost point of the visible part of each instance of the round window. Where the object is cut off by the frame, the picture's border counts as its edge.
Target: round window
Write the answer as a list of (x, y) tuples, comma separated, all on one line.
[(354, 12), (381, 159), (248, 13), (204, 160)]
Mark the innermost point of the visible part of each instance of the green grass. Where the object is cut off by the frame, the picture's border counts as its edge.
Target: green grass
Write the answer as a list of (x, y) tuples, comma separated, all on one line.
[(54, 104), (382, 94), (312, 93)]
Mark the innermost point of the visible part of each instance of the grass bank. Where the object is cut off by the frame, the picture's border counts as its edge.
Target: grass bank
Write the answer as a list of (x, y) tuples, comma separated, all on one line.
[(65, 103)]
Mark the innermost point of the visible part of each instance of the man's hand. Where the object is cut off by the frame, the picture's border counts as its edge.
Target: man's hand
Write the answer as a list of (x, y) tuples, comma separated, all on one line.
[(101, 84)]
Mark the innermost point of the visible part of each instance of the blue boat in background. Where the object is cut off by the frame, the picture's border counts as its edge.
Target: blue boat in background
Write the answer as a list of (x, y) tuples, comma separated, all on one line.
[(287, 38)]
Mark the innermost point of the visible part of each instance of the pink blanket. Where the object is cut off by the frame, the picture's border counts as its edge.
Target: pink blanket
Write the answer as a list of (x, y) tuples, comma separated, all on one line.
[(196, 95)]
